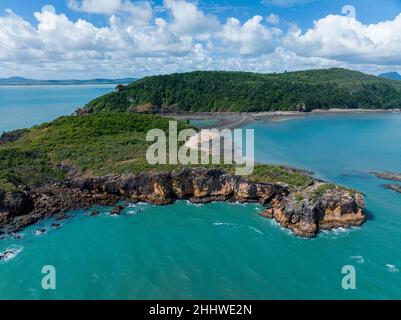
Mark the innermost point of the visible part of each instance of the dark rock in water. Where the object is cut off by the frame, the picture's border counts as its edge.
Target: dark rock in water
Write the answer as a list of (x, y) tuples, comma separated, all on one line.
[(40, 232), (8, 254), (394, 187), (94, 213), (117, 210), (388, 175), (15, 235), (56, 225)]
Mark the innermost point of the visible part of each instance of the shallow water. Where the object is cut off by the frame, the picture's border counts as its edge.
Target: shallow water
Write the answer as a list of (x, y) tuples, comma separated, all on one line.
[(219, 250), (203, 123)]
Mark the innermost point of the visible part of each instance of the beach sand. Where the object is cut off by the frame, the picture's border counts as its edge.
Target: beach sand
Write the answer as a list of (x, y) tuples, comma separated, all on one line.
[(234, 120)]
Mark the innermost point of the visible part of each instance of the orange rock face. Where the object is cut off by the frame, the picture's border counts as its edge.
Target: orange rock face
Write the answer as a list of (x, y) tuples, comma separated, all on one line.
[(305, 212)]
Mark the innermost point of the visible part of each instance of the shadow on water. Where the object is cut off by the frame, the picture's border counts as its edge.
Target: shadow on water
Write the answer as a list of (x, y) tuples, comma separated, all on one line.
[(369, 215)]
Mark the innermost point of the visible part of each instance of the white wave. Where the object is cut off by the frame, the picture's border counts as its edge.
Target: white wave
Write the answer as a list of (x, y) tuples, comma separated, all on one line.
[(358, 259), (113, 215), (339, 230), (40, 232), (256, 230), (10, 253), (189, 203), (224, 224), (392, 268), (17, 235), (237, 203), (137, 205)]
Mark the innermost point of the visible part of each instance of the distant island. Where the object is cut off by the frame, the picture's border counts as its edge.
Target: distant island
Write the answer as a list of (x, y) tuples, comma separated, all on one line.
[(19, 81), (391, 75), (221, 91)]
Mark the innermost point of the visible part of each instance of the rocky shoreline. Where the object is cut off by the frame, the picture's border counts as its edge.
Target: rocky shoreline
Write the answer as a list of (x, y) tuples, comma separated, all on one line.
[(393, 187), (388, 176), (392, 176), (305, 212)]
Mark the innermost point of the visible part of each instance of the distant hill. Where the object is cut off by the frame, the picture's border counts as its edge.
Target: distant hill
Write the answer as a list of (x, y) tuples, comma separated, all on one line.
[(208, 91), (391, 75), (25, 81)]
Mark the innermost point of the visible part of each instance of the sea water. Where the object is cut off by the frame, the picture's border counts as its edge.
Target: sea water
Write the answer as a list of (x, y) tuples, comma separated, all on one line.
[(25, 106), (228, 251)]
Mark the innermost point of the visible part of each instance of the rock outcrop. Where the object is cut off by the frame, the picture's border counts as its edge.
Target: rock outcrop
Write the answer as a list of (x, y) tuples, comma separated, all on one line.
[(304, 212), (388, 175), (318, 208), (393, 187), (15, 203), (11, 136)]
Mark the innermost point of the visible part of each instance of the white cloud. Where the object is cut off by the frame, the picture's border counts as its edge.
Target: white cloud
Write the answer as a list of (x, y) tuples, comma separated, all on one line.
[(96, 6), (273, 19), (189, 20), (251, 38), (140, 11), (139, 40), (347, 39)]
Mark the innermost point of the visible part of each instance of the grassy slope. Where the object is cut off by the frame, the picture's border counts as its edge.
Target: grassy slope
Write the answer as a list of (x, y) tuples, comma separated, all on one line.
[(239, 91), (97, 144)]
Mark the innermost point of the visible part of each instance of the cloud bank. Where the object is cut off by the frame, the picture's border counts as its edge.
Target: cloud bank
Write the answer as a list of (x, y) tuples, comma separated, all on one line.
[(139, 40)]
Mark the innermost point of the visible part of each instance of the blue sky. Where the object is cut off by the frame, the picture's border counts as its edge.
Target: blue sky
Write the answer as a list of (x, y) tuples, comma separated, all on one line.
[(84, 38), (301, 12)]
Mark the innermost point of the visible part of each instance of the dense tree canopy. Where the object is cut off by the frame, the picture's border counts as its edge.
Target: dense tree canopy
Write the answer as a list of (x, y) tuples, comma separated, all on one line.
[(252, 92)]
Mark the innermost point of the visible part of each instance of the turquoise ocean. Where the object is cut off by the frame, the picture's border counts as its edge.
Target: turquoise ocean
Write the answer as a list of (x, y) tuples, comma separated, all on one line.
[(25, 106), (220, 250)]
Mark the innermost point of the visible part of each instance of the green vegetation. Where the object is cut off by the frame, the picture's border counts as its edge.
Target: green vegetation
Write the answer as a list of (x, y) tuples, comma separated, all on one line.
[(251, 92), (299, 197), (101, 143), (277, 173), (98, 144), (112, 140), (321, 190)]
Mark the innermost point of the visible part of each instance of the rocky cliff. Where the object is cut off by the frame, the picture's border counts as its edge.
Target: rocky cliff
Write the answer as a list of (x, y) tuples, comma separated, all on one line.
[(305, 212)]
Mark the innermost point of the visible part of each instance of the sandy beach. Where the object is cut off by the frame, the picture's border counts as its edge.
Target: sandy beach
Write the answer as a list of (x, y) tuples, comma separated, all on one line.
[(232, 120)]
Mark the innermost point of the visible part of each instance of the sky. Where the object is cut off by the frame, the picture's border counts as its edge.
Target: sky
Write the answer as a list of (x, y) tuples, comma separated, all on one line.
[(81, 39)]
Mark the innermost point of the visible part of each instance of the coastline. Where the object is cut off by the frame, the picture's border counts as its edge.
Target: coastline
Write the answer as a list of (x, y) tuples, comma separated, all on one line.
[(305, 211), (234, 120)]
